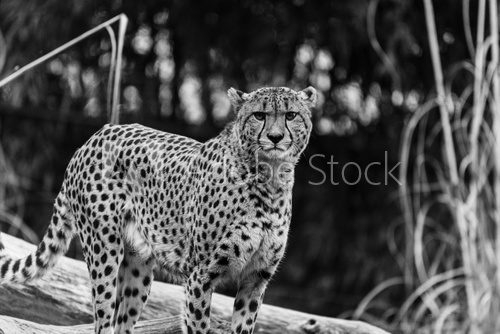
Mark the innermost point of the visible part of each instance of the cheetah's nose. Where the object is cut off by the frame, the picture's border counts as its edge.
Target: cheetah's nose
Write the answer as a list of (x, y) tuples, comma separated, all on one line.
[(275, 138)]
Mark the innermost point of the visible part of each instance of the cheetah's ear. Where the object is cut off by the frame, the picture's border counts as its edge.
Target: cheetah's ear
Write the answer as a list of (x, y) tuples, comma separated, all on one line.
[(237, 97), (309, 96)]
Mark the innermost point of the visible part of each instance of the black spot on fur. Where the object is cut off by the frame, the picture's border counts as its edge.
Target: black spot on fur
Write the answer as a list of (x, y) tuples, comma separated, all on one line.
[(197, 314), (29, 261), (223, 261), (108, 270), (238, 305), (26, 273), (253, 306), (53, 249), (265, 274), (15, 267), (40, 263), (236, 250)]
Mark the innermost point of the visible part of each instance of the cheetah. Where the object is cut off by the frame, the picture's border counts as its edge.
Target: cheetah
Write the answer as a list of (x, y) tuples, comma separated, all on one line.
[(206, 213)]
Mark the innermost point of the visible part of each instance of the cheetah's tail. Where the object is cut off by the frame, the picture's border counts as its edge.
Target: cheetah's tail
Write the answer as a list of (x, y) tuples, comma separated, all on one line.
[(54, 244)]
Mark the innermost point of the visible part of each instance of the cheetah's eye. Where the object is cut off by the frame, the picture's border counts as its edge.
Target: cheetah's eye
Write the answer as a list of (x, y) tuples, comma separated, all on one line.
[(259, 115), (290, 115)]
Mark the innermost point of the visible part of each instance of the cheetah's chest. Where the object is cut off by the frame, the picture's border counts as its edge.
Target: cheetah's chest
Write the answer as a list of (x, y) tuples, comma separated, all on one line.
[(268, 244)]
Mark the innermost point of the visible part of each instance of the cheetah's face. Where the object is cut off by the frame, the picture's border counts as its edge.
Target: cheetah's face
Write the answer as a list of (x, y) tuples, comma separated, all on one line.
[(274, 122)]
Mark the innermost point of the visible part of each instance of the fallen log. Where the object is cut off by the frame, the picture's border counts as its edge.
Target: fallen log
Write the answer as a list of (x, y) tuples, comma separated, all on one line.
[(60, 302)]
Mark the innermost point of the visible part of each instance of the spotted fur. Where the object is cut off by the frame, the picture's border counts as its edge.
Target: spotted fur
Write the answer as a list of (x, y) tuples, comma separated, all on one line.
[(204, 212)]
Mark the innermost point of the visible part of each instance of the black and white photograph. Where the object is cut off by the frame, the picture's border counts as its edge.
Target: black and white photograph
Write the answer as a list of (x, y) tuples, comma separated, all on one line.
[(249, 167)]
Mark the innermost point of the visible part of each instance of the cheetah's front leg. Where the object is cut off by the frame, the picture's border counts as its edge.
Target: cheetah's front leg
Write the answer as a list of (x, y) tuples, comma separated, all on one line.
[(248, 301), (198, 292)]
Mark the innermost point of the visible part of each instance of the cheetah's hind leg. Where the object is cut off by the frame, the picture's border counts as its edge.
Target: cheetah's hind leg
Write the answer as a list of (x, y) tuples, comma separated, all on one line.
[(102, 257), (104, 280), (134, 284), (134, 277)]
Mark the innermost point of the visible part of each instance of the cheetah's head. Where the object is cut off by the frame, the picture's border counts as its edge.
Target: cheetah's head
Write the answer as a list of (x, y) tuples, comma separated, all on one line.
[(274, 122)]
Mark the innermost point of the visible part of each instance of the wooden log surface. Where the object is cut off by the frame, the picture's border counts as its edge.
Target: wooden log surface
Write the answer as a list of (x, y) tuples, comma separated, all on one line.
[(60, 302)]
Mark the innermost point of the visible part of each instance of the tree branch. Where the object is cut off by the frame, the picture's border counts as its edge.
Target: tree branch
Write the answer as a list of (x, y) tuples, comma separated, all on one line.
[(60, 302)]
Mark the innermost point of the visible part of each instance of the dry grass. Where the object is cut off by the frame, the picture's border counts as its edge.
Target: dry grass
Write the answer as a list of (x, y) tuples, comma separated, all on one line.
[(12, 202), (451, 195)]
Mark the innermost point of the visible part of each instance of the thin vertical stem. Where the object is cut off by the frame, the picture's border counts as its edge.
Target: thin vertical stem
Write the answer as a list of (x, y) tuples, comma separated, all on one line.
[(467, 29), (457, 204), (496, 126), (118, 70), (112, 69), (470, 229), (478, 107), (441, 97)]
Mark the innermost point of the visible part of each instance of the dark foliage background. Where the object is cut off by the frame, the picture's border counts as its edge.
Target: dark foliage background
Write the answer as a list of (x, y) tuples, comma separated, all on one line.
[(368, 59)]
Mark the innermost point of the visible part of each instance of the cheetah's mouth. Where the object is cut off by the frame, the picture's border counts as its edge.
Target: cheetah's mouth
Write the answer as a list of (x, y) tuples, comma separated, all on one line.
[(274, 149), (270, 147), (274, 152)]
